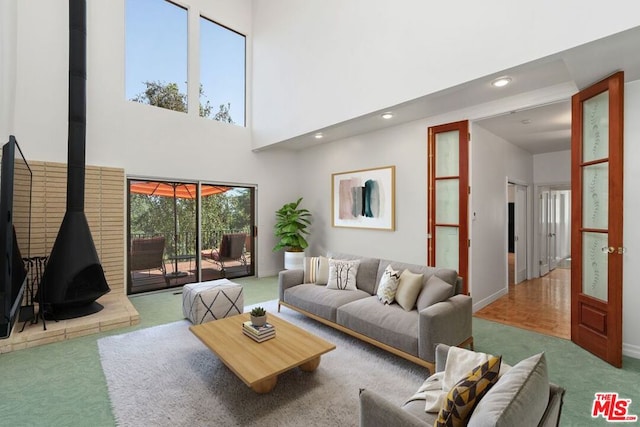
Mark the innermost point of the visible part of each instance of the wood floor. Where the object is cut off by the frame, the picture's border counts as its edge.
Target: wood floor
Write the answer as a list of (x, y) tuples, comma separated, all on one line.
[(542, 305)]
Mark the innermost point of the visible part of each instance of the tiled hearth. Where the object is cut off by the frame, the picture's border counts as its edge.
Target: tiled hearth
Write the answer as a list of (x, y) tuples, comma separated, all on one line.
[(118, 312)]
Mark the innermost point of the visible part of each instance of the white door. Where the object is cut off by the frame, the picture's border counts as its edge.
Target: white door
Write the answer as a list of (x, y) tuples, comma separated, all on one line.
[(553, 230), (520, 244), (543, 233)]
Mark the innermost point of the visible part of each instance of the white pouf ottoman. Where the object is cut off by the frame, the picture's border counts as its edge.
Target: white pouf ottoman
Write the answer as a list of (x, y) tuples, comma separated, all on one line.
[(216, 299)]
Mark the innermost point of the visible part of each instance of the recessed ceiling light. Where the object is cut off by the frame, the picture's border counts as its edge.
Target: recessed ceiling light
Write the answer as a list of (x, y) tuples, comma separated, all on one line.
[(387, 115), (526, 122), (318, 135), (501, 81)]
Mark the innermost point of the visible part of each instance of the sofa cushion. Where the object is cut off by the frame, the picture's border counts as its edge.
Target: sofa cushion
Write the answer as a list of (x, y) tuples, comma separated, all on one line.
[(309, 266), (367, 277), (322, 275), (388, 324), (448, 275), (316, 270), (409, 287), (388, 285), (342, 274), (434, 291), (319, 300), (520, 397), (467, 393)]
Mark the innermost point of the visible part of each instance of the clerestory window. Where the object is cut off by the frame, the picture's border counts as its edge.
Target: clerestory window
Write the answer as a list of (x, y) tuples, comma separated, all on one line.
[(156, 53), (222, 73)]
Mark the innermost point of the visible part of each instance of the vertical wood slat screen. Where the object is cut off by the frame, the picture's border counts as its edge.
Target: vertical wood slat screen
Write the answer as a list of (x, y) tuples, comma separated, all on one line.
[(104, 209)]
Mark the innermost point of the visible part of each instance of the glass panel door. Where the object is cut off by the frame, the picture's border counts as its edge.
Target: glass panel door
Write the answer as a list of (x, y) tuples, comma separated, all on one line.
[(597, 217), (162, 234), (227, 222), (185, 232), (448, 197)]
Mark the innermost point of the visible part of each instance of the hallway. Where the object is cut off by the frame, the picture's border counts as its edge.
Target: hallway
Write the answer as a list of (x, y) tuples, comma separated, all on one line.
[(541, 305)]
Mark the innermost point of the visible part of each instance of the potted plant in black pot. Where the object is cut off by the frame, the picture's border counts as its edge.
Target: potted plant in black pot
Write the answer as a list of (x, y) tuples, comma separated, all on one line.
[(291, 227)]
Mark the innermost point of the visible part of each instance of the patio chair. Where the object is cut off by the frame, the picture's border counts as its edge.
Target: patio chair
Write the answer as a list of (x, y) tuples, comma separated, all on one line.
[(147, 254), (232, 249)]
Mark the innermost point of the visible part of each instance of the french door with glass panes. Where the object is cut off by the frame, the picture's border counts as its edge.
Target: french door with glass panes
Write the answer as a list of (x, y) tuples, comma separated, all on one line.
[(596, 236), (448, 196)]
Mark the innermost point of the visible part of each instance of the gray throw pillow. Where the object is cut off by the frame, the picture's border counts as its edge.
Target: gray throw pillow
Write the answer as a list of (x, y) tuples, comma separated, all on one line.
[(519, 398), (448, 275), (434, 291), (322, 275)]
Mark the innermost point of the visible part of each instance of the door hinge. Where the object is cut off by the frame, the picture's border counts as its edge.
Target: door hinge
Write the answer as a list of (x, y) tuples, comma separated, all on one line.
[(469, 242), (469, 190)]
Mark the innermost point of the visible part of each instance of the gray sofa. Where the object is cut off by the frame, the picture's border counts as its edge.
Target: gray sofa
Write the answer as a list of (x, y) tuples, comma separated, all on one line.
[(410, 334), (523, 397)]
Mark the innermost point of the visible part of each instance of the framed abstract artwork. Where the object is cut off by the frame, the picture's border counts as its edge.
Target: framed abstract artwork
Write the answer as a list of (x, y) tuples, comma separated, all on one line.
[(364, 198)]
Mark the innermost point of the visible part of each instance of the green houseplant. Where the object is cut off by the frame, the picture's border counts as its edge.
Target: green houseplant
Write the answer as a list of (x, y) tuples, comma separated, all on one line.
[(291, 227)]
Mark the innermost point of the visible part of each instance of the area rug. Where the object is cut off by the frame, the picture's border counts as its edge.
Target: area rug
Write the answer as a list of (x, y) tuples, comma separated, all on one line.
[(164, 376)]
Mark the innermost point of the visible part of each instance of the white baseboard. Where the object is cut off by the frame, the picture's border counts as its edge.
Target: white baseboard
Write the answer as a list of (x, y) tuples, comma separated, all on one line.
[(488, 300), (631, 350)]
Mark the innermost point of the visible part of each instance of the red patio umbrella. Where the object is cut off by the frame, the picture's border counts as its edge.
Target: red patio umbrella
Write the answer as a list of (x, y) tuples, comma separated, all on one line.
[(176, 190)]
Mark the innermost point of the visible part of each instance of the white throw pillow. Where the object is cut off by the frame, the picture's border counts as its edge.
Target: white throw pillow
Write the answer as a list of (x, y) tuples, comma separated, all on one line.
[(342, 274), (388, 285)]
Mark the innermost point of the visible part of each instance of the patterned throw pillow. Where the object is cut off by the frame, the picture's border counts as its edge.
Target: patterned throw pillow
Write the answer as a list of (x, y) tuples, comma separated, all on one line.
[(388, 285), (316, 270), (342, 274), (310, 269), (465, 395)]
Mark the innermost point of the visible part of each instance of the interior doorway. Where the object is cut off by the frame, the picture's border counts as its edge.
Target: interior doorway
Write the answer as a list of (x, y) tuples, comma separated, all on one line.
[(554, 227), (539, 302), (517, 233)]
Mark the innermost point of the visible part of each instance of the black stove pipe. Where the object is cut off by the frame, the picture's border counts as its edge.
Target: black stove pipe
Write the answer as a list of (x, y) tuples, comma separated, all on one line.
[(77, 105), (73, 278)]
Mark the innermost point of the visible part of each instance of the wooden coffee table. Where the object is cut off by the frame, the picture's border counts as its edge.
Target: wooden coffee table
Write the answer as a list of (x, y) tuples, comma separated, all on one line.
[(259, 364)]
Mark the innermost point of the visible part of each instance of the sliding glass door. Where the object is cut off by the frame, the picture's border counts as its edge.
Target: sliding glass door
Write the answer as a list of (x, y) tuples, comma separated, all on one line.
[(185, 232)]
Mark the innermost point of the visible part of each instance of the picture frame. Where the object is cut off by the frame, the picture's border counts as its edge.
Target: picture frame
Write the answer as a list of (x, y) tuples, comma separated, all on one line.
[(364, 198)]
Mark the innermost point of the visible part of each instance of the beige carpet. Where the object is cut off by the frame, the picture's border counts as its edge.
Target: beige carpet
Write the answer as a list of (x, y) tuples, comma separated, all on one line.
[(164, 376)]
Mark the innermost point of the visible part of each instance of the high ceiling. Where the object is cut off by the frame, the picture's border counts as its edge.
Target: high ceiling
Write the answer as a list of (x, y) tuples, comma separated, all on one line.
[(532, 112)]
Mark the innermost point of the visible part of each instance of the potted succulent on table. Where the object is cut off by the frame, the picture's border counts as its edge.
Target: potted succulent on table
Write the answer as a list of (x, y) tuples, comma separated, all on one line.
[(258, 316), (291, 226)]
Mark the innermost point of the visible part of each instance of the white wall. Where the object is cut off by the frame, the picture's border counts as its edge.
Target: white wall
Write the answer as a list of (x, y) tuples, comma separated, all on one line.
[(405, 147), (552, 168), (494, 161), (144, 140), (631, 264), (321, 62), (8, 55)]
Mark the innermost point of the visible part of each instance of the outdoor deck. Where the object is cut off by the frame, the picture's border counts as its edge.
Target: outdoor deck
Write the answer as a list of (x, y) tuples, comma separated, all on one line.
[(145, 281)]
